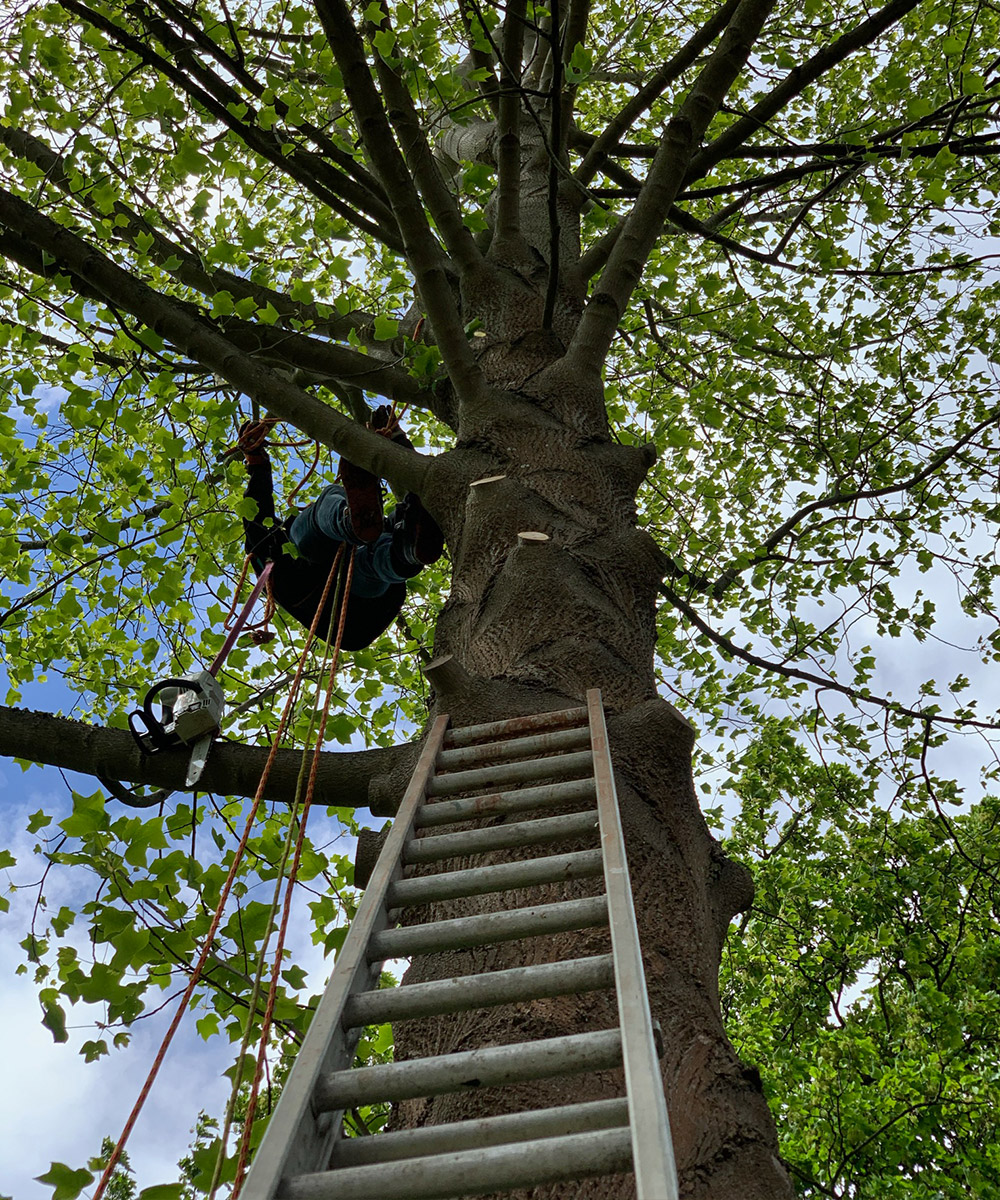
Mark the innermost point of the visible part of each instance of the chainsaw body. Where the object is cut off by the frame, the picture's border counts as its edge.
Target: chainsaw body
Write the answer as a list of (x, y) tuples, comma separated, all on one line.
[(191, 708)]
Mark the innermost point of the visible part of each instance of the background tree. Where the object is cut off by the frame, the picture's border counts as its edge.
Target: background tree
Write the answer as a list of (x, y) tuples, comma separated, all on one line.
[(720, 267)]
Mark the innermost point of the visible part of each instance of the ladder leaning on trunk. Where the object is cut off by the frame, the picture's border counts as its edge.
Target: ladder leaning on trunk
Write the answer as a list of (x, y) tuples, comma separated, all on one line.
[(304, 1155)]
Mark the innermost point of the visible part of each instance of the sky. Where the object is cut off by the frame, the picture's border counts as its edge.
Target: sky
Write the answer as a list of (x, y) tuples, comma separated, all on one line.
[(61, 1106)]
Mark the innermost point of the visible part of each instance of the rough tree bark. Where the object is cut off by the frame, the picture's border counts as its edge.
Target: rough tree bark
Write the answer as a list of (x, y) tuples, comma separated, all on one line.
[(535, 624)]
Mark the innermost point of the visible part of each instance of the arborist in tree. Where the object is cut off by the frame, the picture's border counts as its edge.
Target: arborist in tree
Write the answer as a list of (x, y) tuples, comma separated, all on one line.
[(390, 549)]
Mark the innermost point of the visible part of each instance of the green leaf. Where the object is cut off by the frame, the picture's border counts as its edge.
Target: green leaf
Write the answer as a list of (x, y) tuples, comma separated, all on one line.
[(295, 977), (385, 43), (208, 1025), (386, 328), (66, 1183), (88, 816)]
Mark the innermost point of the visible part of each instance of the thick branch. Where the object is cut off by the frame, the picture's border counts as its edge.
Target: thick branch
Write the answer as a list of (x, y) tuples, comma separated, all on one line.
[(203, 342), (509, 124), (176, 259), (232, 769), (643, 225), (430, 266), (556, 154), (795, 82), (440, 201), (574, 34), (326, 362)]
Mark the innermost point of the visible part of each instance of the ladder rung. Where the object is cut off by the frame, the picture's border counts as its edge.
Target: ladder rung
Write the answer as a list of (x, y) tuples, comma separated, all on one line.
[(514, 748), (464, 992), (446, 812), (478, 881), (515, 727), (473, 1172), (492, 1066), (559, 766), (486, 1131), (461, 933), (498, 837)]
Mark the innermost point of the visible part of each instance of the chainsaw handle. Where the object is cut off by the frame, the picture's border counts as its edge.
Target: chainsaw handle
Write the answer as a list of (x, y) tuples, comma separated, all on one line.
[(154, 737)]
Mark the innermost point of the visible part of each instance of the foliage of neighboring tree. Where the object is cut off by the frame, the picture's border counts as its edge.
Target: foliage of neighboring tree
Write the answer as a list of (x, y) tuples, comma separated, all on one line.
[(712, 288), (864, 978)]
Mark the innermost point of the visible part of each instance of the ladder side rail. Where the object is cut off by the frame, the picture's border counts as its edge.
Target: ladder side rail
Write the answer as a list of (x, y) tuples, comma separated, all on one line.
[(290, 1138), (652, 1146)]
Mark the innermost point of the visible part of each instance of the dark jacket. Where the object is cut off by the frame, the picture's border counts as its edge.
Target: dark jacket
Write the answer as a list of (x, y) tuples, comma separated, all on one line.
[(298, 584)]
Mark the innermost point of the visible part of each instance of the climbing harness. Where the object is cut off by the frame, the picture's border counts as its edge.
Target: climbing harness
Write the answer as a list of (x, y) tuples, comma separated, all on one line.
[(191, 706)]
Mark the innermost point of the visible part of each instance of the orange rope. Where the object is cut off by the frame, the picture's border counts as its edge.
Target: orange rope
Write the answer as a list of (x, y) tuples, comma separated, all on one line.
[(292, 874), (224, 896), (307, 476)]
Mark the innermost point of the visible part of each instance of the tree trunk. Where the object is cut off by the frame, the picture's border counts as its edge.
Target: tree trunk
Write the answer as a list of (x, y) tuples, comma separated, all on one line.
[(533, 623)]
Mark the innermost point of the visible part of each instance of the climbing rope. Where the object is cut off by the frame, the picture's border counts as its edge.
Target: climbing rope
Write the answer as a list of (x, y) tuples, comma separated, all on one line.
[(244, 1153), (337, 609), (196, 972)]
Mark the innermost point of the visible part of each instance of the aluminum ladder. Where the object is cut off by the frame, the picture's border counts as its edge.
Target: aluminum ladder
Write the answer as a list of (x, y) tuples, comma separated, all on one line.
[(304, 1155)]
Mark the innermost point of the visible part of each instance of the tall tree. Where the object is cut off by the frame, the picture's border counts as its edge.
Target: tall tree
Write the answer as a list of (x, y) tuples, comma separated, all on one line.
[(694, 292)]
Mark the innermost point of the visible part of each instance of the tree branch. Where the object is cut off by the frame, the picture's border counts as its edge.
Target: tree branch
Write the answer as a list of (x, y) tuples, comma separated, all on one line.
[(556, 154), (481, 61), (441, 203), (335, 189), (429, 265), (135, 231), (509, 124), (684, 220), (795, 82), (624, 119), (840, 499), (326, 362), (197, 337), (643, 225), (231, 770), (325, 144), (824, 683)]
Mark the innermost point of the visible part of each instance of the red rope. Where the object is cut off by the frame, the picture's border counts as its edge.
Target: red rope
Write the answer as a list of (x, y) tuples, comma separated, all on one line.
[(306, 477), (292, 874), (224, 896)]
